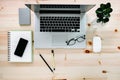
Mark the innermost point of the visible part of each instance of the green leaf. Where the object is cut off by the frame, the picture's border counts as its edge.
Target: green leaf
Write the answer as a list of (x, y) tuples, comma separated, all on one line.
[(99, 20), (100, 15), (102, 6), (109, 10), (99, 10), (105, 20), (107, 15), (108, 5)]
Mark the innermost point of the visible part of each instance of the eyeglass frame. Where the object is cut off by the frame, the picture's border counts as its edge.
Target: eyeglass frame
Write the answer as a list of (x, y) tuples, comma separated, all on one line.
[(75, 39)]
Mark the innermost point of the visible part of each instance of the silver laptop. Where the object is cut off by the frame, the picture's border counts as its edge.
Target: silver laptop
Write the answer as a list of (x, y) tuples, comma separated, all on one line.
[(60, 25)]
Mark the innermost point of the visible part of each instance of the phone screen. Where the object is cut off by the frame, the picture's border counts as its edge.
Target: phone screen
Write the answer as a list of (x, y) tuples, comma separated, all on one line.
[(21, 47)]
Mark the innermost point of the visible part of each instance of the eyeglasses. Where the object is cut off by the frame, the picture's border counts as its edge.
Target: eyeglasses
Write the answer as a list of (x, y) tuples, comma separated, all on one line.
[(72, 41)]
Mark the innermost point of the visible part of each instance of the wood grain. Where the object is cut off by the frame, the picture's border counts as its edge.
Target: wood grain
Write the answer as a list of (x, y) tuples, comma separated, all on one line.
[(71, 64)]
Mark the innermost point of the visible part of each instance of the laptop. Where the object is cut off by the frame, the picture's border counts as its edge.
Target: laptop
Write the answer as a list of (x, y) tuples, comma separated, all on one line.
[(60, 25)]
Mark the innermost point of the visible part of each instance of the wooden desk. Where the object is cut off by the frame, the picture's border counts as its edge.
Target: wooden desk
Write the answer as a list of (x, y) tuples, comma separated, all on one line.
[(71, 64)]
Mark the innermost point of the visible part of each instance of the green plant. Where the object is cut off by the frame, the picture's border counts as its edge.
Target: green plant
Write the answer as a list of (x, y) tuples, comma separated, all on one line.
[(103, 13)]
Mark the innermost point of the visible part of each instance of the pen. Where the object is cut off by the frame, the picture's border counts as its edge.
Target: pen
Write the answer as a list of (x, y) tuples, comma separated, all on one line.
[(53, 55), (46, 62)]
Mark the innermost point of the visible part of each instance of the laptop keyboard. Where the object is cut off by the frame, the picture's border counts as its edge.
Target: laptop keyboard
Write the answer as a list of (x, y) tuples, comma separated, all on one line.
[(59, 24)]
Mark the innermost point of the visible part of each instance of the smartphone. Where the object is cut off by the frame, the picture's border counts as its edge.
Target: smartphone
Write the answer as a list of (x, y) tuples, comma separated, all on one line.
[(21, 47)]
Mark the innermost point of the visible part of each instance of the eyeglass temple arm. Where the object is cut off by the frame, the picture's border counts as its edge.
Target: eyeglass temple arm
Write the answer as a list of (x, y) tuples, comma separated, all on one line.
[(83, 37), (69, 41)]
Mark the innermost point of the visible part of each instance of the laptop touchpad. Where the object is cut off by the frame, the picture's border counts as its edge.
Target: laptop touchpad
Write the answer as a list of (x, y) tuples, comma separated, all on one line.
[(59, 40)]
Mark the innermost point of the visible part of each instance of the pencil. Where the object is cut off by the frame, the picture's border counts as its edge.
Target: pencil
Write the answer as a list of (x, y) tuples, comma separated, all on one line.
[(53, 55), (46, 62)]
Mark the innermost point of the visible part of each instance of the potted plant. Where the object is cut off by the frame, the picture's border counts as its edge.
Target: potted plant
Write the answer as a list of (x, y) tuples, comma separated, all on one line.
[(103, 13)]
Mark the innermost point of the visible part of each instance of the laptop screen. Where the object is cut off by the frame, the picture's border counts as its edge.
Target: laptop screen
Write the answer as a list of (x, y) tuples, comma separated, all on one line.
[(82, 7)]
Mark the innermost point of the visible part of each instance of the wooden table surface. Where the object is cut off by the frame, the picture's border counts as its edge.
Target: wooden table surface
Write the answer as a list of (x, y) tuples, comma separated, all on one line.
[(71, 64)]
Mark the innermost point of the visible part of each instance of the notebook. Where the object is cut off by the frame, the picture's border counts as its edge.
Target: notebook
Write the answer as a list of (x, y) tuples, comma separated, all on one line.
[(20, 46)]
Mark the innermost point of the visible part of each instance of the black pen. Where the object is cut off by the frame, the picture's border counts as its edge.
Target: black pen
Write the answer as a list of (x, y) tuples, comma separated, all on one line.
[(46, 63)]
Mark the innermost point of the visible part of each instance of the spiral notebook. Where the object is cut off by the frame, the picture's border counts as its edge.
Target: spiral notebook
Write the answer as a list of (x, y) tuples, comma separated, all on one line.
[(14, 39)]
